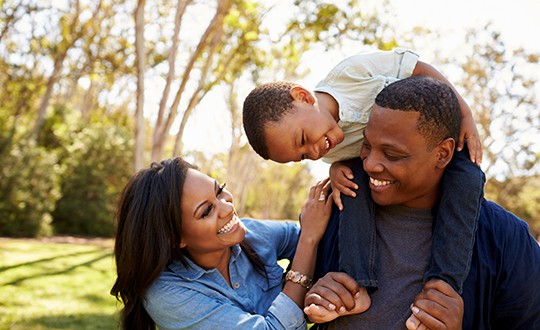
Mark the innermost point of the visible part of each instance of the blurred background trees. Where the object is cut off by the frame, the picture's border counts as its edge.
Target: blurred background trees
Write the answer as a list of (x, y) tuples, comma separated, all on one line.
[(93, 90)]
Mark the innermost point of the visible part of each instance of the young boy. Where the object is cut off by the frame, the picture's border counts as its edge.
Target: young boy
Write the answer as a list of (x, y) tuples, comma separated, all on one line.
[(285, 122)]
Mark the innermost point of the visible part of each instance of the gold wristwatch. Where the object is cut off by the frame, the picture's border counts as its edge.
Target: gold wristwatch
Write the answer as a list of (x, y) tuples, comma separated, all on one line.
[(298, 278)]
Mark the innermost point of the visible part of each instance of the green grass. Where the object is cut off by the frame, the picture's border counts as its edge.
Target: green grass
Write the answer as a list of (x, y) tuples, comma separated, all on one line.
[(56, 285)]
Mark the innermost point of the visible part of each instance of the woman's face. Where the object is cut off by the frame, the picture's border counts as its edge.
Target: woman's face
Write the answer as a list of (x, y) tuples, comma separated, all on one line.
[(209, 220)]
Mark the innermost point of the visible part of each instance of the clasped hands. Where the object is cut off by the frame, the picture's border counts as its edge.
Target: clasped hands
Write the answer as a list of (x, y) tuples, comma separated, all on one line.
[(336, 294)]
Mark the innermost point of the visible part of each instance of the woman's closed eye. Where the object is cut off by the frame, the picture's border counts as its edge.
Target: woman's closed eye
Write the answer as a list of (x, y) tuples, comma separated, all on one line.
[(210, 206), (207, 211)]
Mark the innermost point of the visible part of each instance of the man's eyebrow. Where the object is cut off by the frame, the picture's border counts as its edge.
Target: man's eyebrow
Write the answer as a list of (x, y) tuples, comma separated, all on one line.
[(205, 202)]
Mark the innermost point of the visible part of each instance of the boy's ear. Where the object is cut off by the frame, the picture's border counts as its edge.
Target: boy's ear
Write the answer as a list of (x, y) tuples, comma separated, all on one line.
[(299, 93), (446, 151)]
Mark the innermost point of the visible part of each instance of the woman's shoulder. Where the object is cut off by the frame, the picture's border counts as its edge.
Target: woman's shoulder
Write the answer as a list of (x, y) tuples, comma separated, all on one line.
[(264, 229), (271, 235)]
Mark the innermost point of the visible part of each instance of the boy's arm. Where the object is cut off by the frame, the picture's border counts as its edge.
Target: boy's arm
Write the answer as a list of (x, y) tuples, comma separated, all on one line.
[(468, 127)]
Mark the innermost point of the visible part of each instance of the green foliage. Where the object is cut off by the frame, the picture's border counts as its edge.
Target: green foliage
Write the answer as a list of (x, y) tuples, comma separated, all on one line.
[(29, 188), (98, 166), (278, 191)]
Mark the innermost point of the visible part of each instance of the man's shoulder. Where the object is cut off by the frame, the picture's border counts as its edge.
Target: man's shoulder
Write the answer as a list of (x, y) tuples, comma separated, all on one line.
[(496, 221)]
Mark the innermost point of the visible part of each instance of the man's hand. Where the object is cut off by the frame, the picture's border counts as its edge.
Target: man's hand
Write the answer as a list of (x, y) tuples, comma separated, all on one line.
[(438, 306), (334, 295), (340, 181)]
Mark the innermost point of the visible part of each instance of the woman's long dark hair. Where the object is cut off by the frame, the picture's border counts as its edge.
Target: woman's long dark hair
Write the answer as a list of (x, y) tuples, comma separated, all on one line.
[(148, 236)]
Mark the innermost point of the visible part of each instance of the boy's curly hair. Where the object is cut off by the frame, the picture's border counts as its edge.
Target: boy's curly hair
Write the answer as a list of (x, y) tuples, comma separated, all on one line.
[(267, 103)]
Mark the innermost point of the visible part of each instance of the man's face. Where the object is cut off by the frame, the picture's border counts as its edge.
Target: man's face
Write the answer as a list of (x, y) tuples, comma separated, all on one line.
[(402, 171), (303, 133)]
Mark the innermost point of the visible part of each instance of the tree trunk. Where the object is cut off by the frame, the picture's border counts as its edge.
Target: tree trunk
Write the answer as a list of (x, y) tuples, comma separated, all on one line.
[(162, 131), (140, 59), (180, 10), (42, 110)]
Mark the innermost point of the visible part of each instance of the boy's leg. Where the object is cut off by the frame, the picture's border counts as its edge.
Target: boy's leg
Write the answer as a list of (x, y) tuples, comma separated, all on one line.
[(357, 249), (328, 250), (456, 220)]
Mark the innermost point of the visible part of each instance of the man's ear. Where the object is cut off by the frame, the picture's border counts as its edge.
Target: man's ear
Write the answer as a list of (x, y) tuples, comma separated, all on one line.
[(299, 93), (445, 153)]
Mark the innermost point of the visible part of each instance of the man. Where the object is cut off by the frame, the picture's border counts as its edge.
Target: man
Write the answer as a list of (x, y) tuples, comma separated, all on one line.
[(409, 141)]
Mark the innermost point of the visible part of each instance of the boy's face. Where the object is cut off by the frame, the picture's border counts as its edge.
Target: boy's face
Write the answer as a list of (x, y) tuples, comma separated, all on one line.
[(395, 156), (306, 132)]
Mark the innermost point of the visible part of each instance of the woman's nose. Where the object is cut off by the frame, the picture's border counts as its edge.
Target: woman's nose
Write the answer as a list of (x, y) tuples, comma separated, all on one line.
[(225, 207)]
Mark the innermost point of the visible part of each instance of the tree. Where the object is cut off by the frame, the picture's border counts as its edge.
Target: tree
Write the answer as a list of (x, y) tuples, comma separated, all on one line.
[(503, 96), (207, 43), (140, 60), (71, 30)]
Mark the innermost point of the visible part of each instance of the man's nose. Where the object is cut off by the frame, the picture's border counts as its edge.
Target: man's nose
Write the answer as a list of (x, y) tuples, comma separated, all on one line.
[(372, 164)]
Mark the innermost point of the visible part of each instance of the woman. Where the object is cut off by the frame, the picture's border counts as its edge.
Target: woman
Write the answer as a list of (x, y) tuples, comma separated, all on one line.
[(186, 261)]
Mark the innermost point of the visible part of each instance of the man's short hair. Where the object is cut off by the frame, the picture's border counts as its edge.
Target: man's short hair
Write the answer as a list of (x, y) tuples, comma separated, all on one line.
[(267, 103), (440, 115)]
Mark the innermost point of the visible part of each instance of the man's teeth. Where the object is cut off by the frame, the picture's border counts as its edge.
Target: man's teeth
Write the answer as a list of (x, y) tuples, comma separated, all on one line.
[(228, 226), (379, 183)]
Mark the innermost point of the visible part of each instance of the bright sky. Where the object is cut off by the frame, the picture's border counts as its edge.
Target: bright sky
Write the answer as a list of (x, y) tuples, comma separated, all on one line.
[(517, 20)]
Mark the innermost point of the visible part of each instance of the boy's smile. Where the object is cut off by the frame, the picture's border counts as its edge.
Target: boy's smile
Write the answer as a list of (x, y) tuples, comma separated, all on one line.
[(304, 133)]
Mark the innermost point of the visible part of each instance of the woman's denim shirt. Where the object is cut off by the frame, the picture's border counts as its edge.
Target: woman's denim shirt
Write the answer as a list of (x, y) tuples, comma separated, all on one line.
[(190, 297)]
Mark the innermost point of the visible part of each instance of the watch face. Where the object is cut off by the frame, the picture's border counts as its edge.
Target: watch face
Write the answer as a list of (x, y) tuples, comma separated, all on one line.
[(295, 277)]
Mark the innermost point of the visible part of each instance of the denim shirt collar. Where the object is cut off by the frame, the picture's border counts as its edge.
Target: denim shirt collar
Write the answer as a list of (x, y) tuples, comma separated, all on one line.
[(190, 271)]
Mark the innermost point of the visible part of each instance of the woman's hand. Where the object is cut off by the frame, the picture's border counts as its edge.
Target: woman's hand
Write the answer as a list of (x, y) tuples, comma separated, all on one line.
[(316, 211)]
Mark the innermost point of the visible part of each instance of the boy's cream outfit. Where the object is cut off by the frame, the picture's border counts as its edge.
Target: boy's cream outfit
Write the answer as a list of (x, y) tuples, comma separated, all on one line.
[(354, 83)]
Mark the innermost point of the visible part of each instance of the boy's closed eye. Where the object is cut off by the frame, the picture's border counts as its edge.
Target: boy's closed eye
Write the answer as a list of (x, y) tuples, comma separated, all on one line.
[(302, 143)]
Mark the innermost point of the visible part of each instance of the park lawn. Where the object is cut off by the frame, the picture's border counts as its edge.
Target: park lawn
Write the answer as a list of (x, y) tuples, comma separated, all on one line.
[(48, 284)]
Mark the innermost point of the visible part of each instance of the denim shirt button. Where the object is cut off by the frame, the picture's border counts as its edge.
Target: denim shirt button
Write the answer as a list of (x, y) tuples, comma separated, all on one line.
[(236, 285)]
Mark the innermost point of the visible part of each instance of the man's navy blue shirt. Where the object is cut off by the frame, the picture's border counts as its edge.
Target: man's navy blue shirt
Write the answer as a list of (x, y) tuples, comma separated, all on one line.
[(502, 290)]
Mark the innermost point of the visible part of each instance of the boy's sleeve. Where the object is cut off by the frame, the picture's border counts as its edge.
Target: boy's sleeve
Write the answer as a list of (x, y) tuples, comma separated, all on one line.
[(393, 65)]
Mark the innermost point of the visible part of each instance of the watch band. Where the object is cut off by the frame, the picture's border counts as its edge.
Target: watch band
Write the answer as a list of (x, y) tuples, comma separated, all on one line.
[(298, 278)]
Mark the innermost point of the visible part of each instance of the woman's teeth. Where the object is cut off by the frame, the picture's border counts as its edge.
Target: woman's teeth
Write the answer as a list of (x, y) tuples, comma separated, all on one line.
[(228, 226), (327, 143)]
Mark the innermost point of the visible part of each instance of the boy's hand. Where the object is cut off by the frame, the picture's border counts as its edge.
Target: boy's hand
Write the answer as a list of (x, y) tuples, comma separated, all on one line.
[(340, 181), (438, 306), (468, 131)]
